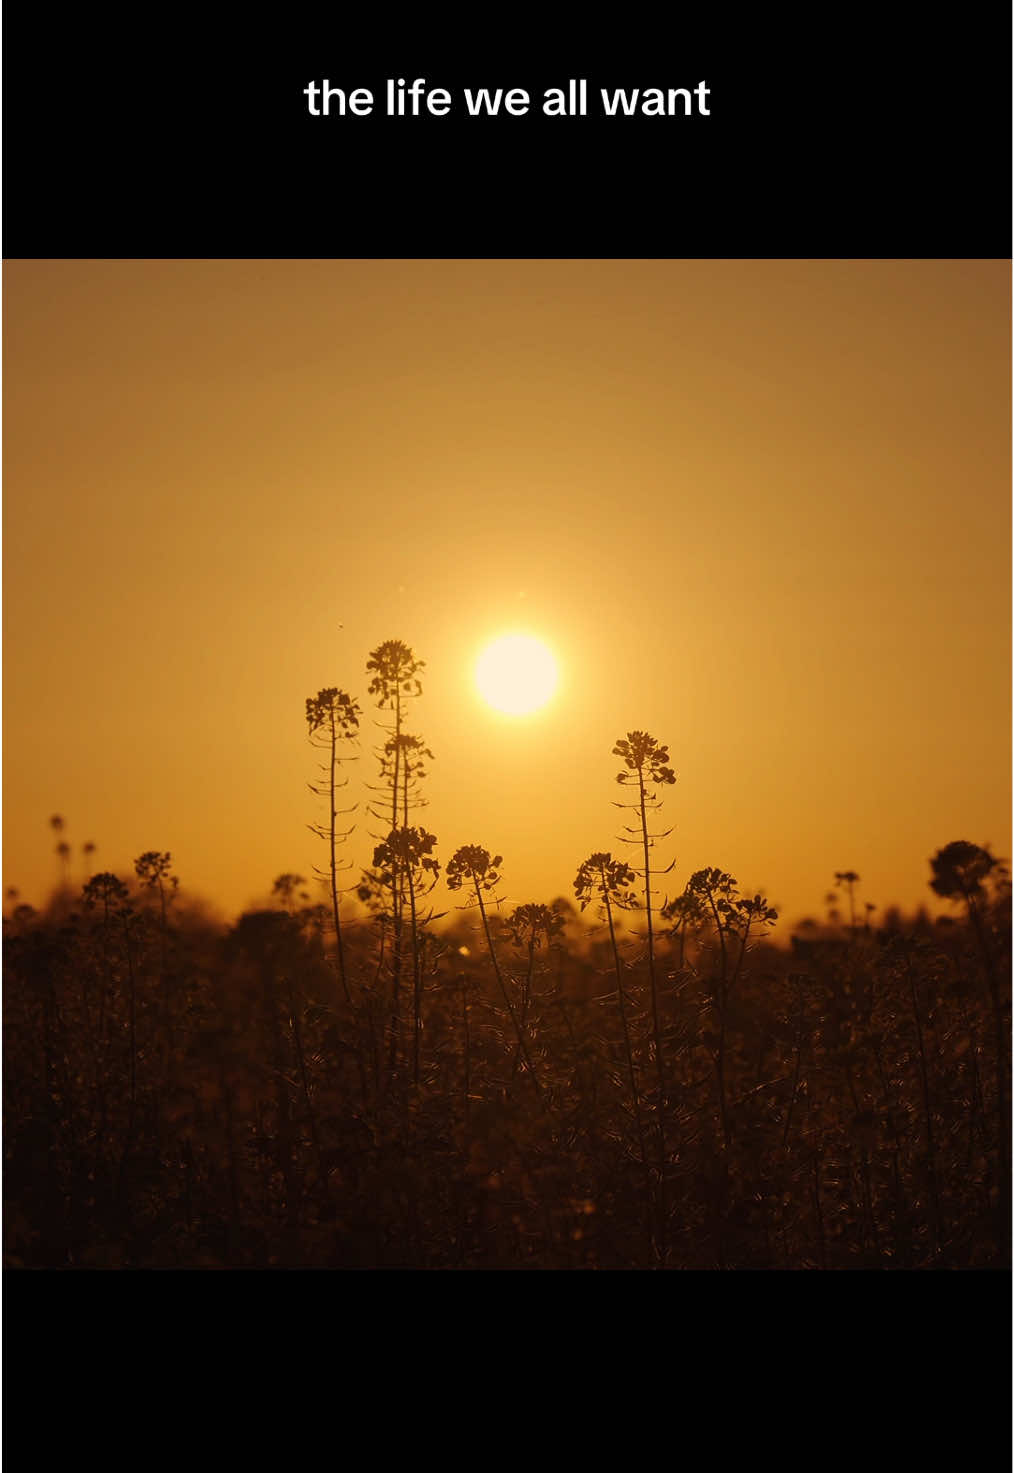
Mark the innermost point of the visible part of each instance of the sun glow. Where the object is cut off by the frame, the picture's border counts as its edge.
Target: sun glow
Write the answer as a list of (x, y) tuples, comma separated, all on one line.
[(516, 674)]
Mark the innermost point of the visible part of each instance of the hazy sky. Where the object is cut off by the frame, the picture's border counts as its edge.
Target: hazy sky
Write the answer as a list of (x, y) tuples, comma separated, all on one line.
[(759, 508)]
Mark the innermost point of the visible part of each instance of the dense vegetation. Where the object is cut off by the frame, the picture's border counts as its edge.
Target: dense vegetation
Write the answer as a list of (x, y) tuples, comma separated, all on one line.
[(613, 1082)]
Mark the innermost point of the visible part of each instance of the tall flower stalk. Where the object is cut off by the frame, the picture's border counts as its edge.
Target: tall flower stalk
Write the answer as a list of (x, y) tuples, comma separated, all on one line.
[(647, 763), (736, 919), (610, 881), (960, 872), (332, 719), (394, 669), (409, 852), (472, 867), (530, 927)]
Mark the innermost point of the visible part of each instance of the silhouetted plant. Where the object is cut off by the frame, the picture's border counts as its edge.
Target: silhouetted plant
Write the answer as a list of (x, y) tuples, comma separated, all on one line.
[(647, 763), (105, 890), (735, 918), (153, 870), (530, 927), (62, 850), (409, 852), (610, 881), (395, 669), (332, 717), (848, 879), (687, 913), (110, 893), (287, 889), (403, 761), (961, 871), (473, 866)]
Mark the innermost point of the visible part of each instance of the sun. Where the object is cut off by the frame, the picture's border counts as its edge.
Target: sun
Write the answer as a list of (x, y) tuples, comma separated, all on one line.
[(516, 674)]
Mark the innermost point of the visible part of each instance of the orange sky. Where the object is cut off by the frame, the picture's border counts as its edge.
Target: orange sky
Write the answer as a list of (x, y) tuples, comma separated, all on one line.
[(759, 508)]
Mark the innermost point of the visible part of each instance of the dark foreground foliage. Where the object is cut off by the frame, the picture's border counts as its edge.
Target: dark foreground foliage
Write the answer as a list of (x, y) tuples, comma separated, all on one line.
[(634, 1083), (176, 1097)]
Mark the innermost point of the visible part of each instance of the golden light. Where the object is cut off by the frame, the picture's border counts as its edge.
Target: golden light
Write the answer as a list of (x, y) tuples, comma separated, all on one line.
[(516, 674)]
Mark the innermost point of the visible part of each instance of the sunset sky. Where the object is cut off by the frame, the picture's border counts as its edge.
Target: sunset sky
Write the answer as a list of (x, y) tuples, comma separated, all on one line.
[(758, 508)]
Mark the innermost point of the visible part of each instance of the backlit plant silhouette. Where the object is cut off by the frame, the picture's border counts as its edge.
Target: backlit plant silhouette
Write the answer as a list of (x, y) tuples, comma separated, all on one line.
[(472, 868), (408, 852), (531, 927), (394, 671), (110, 893), (610, 882), (735, 919), (960, 872), (647, 767), (332, 719), (848, 879), (153, 870), (287, 889), (58, 824)]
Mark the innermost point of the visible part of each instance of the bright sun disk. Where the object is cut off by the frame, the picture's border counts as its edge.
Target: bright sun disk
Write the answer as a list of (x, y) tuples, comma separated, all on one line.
[(516, 674)]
